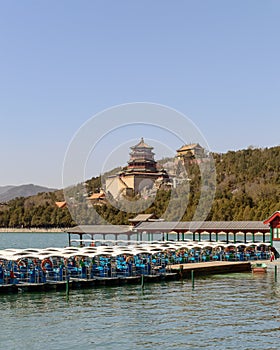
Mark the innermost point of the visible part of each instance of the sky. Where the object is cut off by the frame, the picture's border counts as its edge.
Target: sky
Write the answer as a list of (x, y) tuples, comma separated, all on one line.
[(63, 62)]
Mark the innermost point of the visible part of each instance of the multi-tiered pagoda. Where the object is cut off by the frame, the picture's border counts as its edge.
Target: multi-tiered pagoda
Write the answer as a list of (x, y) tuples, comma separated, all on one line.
[(140, 174), (142, 158)]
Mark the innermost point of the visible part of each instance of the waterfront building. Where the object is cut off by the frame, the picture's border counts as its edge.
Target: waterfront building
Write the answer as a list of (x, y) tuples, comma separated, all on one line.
[(274, 224), (212, 231), (150, 229)]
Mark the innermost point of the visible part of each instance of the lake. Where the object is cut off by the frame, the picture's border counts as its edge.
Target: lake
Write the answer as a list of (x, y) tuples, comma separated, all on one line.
[(32, 240), (222, 312)]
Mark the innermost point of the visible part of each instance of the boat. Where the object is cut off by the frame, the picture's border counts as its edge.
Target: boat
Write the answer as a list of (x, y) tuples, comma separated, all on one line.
[(259, 267)]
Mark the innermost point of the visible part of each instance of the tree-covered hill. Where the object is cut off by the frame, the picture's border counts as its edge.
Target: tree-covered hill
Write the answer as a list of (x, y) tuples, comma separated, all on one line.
[(8, 193), (247, 188), (35, 211), (248, 184)]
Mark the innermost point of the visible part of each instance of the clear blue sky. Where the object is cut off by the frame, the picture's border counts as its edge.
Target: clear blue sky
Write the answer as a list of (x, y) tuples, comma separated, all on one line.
[(63, 61)]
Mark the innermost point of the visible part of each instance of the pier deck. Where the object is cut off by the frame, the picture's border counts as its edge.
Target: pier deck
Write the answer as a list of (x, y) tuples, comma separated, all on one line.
[(211, 268)]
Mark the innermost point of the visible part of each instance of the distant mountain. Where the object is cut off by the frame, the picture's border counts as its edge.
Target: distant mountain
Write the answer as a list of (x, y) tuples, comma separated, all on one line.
[(4, 189), (10, 192)]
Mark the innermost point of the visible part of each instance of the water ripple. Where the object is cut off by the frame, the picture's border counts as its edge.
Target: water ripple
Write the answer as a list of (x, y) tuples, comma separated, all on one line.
[(223, 312)]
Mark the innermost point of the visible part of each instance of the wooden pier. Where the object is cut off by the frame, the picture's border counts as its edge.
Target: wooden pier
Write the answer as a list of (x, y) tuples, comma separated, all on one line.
[(211, 268)]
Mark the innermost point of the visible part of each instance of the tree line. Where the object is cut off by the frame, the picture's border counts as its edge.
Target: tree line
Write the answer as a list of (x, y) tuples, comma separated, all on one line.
[(247, 188)]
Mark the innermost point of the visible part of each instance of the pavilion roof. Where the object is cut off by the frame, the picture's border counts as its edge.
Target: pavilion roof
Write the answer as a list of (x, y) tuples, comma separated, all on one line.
[(102, 229), (191, 226), (272, 217), (189, 147), (141, 144), (97, 195), (61, 204), (142, 217), (113, 250)]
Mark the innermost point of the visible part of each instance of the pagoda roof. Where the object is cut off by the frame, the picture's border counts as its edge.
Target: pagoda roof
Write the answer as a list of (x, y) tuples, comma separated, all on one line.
[(141, 160), (142, 144), (142, 151), (142, 172)]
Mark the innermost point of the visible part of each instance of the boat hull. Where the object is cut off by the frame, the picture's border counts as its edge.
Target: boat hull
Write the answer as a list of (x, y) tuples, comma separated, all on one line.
[(259, 269)]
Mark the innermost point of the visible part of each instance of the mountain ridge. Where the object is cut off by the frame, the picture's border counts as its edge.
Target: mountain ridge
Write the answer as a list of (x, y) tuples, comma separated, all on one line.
[(10, 192)]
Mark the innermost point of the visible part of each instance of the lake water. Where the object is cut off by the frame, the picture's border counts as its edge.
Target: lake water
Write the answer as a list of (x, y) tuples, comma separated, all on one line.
[(236, 311), (33, 240), (60, 239)]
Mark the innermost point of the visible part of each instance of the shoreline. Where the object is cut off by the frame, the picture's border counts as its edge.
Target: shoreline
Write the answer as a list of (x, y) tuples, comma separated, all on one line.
[(32, 230)]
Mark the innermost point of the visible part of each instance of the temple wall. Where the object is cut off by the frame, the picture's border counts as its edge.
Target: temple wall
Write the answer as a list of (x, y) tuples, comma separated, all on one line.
[(116, 185), (112, 186), (144, 181)]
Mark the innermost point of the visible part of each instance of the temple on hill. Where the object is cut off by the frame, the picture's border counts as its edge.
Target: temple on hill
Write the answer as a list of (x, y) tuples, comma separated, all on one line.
[(141, 174), (61, 205), (98, 198), (192, 152), (142, 158)]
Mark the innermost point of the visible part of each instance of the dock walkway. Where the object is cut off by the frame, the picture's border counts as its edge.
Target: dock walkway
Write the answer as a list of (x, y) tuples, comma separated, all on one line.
[(211, 268)]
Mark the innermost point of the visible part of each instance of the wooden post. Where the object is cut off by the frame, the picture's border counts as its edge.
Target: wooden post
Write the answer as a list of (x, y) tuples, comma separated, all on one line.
[(67, 287), (142, 282), (181, 273), (192, 275)]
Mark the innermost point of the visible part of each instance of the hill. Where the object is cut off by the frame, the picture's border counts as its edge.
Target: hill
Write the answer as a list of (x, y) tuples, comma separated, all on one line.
[(247, 188), (8, 193), (4, 189)]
